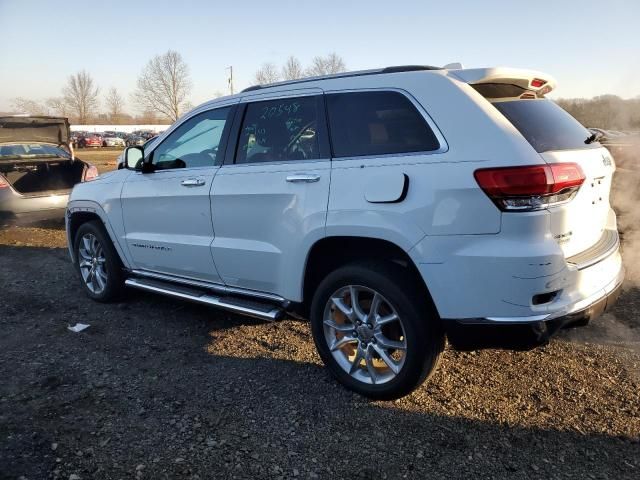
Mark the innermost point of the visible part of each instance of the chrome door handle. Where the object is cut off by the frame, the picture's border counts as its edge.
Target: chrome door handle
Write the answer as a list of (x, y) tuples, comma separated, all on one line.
[(303, 178), (193, 182)]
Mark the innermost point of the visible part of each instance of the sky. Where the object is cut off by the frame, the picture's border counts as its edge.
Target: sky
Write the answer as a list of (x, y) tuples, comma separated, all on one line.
[(590, 47)]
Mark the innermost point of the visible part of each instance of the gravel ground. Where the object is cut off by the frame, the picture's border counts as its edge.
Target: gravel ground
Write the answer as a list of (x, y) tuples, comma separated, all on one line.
[(157, 388)]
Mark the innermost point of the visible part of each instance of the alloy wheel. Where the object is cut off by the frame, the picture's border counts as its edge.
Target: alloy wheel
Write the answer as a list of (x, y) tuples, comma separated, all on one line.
[(365, 334), (92, 263)]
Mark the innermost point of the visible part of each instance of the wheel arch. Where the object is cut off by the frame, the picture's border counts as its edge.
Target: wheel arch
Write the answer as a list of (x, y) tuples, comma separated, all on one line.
[(330, 253), (82, 212)]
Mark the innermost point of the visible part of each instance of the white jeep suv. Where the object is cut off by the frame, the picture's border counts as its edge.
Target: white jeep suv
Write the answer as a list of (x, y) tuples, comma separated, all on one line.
[(392, 207)]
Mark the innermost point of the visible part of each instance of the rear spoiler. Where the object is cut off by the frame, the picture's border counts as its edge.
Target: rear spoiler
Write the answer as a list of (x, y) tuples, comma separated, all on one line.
[(536, 82)]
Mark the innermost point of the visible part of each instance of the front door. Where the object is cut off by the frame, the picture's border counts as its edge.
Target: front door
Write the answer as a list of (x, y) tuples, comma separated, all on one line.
[(167, 213), (270, 203)]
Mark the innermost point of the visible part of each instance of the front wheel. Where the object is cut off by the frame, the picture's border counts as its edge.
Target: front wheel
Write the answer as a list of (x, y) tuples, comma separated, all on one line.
[(98, 263), (376, 330)]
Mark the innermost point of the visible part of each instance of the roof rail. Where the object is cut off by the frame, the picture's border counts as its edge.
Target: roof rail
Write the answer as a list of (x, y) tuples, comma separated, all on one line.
[(358, 73)]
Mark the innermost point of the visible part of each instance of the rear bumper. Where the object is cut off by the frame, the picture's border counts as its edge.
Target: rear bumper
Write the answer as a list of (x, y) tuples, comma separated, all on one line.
[(16, 208), (521, 335), (585, 308)]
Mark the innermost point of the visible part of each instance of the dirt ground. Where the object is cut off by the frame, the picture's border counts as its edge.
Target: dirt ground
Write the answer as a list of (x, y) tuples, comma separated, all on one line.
[(156, 388), (103, 158)]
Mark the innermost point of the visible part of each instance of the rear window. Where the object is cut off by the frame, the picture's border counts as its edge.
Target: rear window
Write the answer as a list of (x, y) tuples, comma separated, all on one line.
[(545, 125), (377, 123)]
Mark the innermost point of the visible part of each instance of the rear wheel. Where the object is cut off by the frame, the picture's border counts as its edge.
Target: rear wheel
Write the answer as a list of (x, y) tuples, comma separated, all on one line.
[(375, 330), (98, 263)]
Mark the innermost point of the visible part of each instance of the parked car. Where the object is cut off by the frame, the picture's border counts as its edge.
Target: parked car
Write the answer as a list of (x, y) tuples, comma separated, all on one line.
[(392, 207), (37, 169), (93, 140), (133, 140), (112, 141)]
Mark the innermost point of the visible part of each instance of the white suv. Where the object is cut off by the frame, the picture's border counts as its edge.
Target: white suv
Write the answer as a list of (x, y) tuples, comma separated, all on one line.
[(392, 207)]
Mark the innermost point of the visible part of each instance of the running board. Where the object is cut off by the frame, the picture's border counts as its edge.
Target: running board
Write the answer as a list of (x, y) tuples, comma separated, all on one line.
[(242, 306)]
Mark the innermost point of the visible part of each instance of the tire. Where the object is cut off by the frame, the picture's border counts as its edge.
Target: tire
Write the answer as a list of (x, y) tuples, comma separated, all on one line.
[(107, 282), (418, 330)]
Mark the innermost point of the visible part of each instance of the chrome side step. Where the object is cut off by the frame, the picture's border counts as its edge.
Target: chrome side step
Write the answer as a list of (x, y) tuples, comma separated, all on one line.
[(242, 306)]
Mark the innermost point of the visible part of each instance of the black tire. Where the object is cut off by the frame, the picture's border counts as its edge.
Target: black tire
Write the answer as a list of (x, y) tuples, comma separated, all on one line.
[(115, 277), (424, 335)]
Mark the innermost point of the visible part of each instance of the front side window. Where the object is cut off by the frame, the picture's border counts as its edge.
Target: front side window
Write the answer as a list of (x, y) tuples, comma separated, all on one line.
[(377, 123), (279, 130), (194, 143)]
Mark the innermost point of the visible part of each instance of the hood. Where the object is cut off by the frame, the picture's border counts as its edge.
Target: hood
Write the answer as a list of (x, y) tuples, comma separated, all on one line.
[(35, 129)]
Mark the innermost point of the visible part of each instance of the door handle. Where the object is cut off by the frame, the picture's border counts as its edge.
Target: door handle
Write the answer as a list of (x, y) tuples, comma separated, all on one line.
[(303, 178), (193, 182)]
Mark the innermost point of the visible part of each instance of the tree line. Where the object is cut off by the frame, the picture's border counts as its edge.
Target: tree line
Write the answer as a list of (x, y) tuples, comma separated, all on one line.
[(164, 85), (609, 112), (161, 95)]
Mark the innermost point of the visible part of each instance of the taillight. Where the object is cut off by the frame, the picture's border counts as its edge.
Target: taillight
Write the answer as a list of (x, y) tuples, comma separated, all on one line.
[(3, 182), (537, 82), (90, 173), (530, 187)]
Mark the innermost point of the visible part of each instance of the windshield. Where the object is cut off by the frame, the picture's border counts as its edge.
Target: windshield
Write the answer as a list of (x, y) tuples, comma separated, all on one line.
[(545, 125), (26, 150)]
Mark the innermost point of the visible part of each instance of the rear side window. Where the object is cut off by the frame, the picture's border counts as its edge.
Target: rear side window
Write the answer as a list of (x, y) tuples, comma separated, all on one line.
[(280, 130), (377, 123), (545, 125)]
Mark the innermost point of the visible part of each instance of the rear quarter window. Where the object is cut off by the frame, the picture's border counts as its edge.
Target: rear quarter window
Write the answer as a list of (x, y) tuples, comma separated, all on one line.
[(377, 123)]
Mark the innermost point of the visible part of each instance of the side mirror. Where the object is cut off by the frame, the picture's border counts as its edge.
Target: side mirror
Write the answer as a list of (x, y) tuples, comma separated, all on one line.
[(133, 158)]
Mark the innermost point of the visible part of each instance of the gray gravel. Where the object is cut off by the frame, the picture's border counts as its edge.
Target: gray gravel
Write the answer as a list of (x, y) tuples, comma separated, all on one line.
[(157, 388)]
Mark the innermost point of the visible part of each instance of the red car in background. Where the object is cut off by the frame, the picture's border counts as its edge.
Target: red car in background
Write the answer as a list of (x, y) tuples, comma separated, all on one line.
[(93, 140)]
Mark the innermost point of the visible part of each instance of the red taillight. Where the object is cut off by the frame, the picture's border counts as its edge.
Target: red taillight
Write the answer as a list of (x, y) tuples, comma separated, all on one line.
[(530, 187), (3, 182), (537, 82), (90, 173)]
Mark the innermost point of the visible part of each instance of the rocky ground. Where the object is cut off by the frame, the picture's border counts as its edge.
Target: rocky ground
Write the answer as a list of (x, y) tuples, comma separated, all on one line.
[(156, 388)]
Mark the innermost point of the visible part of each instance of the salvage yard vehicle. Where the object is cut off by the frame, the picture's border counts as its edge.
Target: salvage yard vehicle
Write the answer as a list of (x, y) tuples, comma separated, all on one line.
[(37, 168), (93, 140), (112, 141), (392, 207)]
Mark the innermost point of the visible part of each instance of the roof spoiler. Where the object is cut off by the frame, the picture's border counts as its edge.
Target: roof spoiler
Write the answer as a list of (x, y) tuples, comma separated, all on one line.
[(538, 82)]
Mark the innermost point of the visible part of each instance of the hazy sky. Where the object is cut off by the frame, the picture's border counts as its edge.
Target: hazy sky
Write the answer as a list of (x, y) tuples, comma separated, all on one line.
[(591, 47)]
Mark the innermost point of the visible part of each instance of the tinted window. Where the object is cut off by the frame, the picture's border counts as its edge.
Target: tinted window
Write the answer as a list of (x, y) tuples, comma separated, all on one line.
[(194, 143), (376, 123), (279, 130), (545, 125)]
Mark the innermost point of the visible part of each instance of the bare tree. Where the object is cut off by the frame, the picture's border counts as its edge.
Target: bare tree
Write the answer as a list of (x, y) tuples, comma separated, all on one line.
[(81, 95), (332, 63), (164, 85), (115, 104), (58, 106), (292, 69), (268, 73), (25, 105)]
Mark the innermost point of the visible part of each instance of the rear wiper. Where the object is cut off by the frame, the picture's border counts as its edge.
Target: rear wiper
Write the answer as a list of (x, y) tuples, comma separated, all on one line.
[(594, 137)]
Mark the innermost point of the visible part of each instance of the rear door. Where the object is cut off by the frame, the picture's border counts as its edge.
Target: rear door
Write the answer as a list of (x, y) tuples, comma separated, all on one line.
[(269, 200), (167, 213)]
